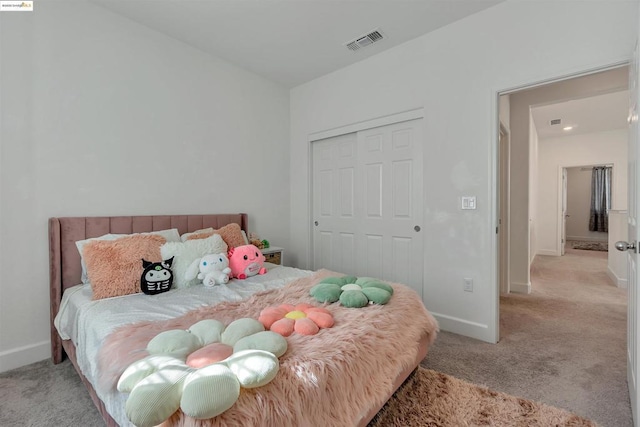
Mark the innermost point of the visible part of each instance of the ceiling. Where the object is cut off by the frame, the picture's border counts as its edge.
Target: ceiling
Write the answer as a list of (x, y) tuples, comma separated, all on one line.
[(295, 41), (587, 115), (292, 41)]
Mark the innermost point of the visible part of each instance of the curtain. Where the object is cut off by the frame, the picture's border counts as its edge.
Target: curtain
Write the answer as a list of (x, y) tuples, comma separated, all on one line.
[(600, 198)]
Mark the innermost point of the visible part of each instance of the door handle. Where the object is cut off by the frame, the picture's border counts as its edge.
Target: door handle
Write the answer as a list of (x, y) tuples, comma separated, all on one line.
[(625, 246)]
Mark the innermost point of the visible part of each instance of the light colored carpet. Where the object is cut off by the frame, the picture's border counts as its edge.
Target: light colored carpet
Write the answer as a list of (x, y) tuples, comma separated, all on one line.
[(429, 398), (44, 395), (563, 345), (41, 394)]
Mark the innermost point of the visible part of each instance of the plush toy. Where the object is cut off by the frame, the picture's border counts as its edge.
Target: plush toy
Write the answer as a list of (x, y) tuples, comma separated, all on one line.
[(200, 370), (352, 292), (245, 261), (212, 269), (256, 241), (157, 277)]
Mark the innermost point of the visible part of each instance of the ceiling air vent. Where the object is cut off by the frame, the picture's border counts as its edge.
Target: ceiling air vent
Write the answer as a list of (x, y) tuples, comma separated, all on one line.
[(365, 40), (555, 122)]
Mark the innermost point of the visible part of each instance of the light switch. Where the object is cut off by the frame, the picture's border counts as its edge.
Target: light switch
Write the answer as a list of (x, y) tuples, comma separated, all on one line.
[(468, 202)]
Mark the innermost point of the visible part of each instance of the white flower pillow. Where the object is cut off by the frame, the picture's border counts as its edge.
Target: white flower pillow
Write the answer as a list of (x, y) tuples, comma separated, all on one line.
[(185, 253)]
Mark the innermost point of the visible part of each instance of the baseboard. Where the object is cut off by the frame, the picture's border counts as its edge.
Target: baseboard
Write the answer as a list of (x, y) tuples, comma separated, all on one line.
[(547, 252), (464, 327), (621, 283), (26, 355), (520, 288)]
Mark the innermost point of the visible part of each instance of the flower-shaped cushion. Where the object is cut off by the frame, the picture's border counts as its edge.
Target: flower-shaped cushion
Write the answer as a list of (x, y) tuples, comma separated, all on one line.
[(200, 370), (352, 291), (305, 319)]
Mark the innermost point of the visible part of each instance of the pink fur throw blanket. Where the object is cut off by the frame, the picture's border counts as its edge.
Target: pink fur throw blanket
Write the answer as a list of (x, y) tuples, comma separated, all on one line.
[(329, 379)]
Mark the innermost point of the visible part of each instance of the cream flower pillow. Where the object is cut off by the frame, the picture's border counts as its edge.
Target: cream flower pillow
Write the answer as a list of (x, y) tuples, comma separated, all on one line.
[(200, 370)]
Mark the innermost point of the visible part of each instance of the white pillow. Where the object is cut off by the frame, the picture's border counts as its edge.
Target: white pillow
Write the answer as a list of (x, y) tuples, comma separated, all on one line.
[(185, 236), (244, 236), (185, 253), (171, 235)]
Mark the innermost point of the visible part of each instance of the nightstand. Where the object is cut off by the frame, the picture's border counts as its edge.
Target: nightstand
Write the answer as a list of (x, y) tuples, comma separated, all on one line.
[(273, 255)]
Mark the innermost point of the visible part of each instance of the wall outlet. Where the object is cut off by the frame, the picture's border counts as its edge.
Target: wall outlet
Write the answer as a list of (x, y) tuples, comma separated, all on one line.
[(468, 284)]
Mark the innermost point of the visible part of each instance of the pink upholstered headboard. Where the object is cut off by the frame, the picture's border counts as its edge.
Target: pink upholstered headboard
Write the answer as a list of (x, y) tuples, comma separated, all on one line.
[(64, 259)]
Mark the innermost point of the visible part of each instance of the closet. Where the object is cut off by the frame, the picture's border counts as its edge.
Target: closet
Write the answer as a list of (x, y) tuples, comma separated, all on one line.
[(368, 203)]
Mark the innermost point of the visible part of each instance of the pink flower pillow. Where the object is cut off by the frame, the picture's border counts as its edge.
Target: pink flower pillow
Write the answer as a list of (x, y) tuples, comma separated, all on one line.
[(304, 319)]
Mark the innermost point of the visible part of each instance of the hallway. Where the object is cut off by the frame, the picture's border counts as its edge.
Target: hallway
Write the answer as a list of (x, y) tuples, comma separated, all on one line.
[(564, 344)]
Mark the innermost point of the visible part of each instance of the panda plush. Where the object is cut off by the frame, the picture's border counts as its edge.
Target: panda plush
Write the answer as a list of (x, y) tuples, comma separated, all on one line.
[(157, 277)]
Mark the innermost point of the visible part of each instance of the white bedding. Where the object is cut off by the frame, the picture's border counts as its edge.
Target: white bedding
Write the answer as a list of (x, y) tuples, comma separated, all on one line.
[(87, 323)]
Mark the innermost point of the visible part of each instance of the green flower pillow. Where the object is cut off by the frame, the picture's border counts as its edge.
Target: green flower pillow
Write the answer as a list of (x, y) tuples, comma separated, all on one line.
[(352, 291)]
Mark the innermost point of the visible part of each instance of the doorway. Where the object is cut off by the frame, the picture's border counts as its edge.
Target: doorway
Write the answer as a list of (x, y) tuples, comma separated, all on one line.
[(552, 146), (584, 227), (540, 147), (541, 152)]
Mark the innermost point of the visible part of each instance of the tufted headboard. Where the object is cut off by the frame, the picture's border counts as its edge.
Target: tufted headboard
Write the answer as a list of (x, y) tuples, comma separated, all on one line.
[(64, 259)]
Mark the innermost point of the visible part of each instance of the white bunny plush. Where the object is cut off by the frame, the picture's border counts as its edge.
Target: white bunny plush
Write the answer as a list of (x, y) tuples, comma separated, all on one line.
[(212, 269)]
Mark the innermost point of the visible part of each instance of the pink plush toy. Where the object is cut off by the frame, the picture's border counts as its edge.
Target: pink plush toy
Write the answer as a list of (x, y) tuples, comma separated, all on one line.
[(245, 261)]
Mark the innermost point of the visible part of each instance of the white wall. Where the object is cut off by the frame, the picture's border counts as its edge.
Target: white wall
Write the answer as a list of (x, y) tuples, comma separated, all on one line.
[(576, 150), (578, 205), (102, 116), (455, 74)]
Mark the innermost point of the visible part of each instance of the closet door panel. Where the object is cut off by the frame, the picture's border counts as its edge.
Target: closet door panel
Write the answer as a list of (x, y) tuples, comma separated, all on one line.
[(368, 202)]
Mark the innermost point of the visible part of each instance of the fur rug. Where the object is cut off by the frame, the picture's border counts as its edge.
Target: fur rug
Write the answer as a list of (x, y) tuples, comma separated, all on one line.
[(332, 378), (431, 399)]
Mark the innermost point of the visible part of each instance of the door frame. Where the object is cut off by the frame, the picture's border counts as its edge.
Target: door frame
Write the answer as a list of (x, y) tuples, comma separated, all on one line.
[(403, 116), (496, 92), (503, 210), (564, 184), (562, 198)]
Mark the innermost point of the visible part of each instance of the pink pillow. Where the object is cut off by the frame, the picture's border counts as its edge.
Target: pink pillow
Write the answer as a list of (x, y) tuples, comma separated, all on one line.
[(230, 233), (114, 267), (209, 354), (303, 318)]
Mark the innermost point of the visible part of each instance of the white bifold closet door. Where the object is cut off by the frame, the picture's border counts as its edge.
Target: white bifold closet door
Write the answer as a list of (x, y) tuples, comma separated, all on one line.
[(368, 203)]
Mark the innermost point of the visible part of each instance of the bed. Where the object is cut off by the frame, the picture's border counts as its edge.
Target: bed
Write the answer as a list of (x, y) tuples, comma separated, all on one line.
[(305, 366)]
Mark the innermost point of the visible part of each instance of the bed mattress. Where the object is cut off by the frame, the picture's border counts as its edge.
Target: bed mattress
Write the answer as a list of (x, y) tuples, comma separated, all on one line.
[(87, 322)]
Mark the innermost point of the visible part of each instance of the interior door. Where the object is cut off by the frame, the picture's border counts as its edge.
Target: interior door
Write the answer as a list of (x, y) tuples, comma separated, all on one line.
[(390, 197), (633, 238), (335, 227)]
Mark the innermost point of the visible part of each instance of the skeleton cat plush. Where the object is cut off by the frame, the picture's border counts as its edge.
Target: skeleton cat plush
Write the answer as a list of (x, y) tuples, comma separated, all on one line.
[(157, 277)]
